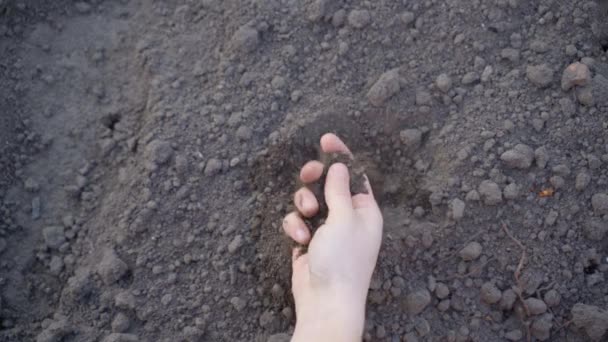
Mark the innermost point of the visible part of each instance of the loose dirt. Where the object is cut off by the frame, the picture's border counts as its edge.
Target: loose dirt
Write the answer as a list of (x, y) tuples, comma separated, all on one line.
[(149, 151)]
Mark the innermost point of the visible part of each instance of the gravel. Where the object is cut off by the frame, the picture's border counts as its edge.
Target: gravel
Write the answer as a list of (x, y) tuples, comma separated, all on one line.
[(385, 87), (111, 268), (471, 251), (490, 192), (417, 301), (540, 75), (520, 157), (576, 74), (54, 236), (490, 294), (599, 202)]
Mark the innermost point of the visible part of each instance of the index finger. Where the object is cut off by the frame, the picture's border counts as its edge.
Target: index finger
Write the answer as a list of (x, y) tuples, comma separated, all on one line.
[(330, 143)]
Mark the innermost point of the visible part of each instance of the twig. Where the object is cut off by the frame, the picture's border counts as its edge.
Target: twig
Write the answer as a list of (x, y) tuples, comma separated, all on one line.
[(517, 274)]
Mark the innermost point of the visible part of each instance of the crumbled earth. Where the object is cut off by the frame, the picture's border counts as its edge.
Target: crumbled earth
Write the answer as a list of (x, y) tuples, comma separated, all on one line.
[(149, 150)]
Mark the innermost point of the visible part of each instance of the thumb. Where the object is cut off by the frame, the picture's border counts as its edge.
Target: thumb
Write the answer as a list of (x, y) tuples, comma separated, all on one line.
[(337, 191)]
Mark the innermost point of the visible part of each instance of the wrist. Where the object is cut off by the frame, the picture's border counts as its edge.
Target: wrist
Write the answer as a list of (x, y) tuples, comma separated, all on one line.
[(338, 318)]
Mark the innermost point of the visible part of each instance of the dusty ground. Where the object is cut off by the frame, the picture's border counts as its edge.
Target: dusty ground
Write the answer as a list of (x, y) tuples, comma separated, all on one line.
[(148, 151)]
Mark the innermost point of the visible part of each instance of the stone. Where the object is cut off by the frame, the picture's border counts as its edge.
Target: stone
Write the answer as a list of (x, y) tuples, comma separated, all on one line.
[(471, 251), (490, 192), (536, 306), (514, 335), (442, 291), (244, 133), (582, 180), (489, 293), (541, 327), (552, 298), (158, 152), (576, 74), (456, 209), (111, 268), (584, 95), (385, 87), (595, 229), (590, 318), (120, 323), (55, 332), (238, 303), (470, 78), (318, 10), (411, 137), (540, 75), (245, 40), (417, 301), (54, 236), (541, 156), (507, 300), (407, 17), (359, 18), (119, 337), (511, 191), (213, 167), (235, 244), (443, 83), (520, 157), (599, 202), (125, 300)]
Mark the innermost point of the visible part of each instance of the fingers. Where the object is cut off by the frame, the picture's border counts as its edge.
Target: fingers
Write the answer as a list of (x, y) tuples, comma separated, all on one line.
[(311, 172), (366, 207), (337, 191), (306, 202), (295, 228), (330, 143)]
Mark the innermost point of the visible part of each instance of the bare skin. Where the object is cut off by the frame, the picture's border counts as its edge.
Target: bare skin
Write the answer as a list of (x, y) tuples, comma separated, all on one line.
[(330, 282)]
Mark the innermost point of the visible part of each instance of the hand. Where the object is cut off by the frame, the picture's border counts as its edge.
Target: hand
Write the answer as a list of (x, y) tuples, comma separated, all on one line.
[(330, 282)]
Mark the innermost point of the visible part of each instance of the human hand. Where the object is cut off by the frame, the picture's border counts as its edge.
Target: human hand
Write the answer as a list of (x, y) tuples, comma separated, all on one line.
[(330, 282)]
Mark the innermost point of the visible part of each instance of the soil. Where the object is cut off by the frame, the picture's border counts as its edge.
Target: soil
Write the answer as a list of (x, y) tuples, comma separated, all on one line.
[(149, 150)]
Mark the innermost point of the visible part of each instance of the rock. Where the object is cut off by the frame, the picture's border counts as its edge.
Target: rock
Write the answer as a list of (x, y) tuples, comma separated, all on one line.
[(359, 18), (507, 300), (590, 318), (423, 98), (584, 95), (490, 192), (318, 10), (511, 191), (245, 39), (541, 155), (599, 202), (244, 133), (470, 78), (54, 236), (443, 83), (442, 291), (267, 319), (125, 300), (213, 167), (192, 334), (111, 268), (407, 17), (456, 209), (56, 265), (536, 306), (158, 152), (520, 157), (541, 327), (386, 86), (582, 180), (235, 244), (417, 301), (238, 303), (576, 74), (411, 137), (552, 298), (282, 337), (55, 332), (489, 293), (514, 335), (595, 229), (118, 337), (471, 251), (120, 323), (540, 75), (78, 286)]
